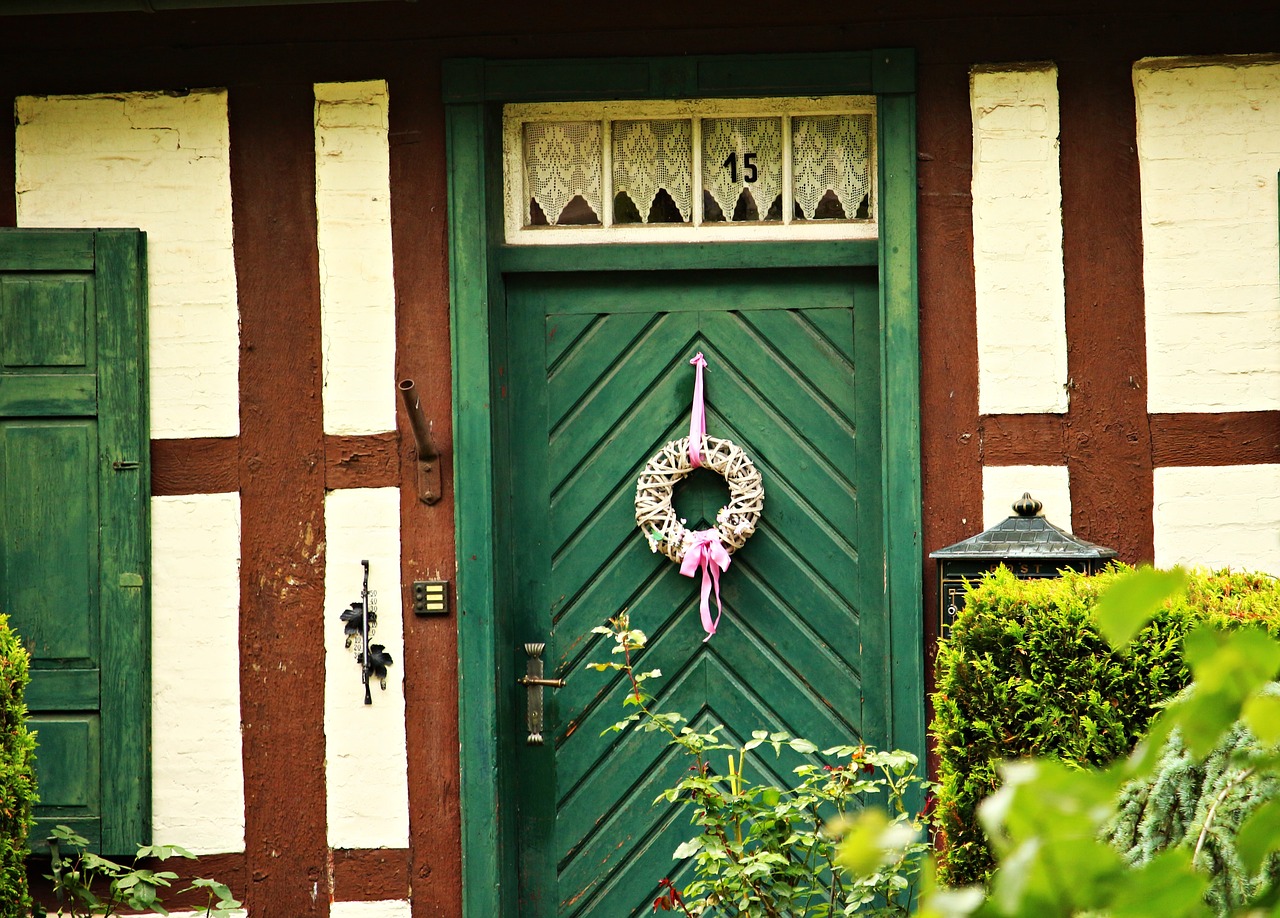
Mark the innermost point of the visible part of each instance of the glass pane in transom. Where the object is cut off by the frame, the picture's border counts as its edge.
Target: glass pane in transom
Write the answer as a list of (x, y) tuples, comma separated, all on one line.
[(562, 173), (831, 167), (741, 169), (652, 171)]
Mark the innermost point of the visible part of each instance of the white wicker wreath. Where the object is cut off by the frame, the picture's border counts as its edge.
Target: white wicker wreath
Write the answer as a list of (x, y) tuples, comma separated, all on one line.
[(736, 520)]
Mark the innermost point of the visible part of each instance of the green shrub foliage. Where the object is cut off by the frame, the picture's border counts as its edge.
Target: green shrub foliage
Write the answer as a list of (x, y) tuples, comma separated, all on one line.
[(1024, 672), (1200, 805), (17, 774)]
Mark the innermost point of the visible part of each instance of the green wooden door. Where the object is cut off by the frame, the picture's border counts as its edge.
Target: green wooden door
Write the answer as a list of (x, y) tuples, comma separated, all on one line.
[(73, 509), (599, 382)]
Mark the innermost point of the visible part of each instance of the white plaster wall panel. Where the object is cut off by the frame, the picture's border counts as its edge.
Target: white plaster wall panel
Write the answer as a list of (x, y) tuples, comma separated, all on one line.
[(1208, 148), (1017, 241), (161, 163), (1002, 485), (1218, 517), (387, 908), (366, 760), (197, 771), (357, 290)]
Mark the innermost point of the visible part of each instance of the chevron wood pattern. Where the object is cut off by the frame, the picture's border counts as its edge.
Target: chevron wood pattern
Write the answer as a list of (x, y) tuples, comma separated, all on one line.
[(599, 382)]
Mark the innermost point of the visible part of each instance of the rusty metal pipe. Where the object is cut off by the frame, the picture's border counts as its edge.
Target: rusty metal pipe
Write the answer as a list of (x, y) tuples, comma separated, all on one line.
[(429, 484)]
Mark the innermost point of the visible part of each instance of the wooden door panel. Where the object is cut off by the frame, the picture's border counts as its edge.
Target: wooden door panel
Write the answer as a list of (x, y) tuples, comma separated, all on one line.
[(600, 381)]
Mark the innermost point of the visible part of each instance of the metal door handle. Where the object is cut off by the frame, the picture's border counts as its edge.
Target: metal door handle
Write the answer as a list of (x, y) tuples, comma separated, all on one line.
[(534, 681)]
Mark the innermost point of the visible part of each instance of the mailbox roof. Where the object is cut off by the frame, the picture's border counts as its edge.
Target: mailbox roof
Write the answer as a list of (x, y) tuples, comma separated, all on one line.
[(1027, 534)]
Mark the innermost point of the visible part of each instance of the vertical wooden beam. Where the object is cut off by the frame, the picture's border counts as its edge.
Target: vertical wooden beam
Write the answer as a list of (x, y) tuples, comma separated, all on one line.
[(420, 241), (282, 499), (900, 399), (951, 438), (1108, 431), (8, 158), (484, 818)]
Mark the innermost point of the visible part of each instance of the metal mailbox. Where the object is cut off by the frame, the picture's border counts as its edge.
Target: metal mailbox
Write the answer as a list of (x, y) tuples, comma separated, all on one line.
[(1026, 543)]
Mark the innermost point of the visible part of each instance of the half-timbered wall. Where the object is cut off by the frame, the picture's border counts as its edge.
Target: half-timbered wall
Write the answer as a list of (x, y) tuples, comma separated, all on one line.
[(1099, 325)]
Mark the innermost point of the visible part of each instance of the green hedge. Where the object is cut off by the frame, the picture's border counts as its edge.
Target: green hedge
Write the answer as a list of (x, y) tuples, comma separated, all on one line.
[(1024, 672), (17, 774)]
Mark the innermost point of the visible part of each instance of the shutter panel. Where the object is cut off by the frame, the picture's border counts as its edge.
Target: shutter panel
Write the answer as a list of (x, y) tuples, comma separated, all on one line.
[(74, 500)]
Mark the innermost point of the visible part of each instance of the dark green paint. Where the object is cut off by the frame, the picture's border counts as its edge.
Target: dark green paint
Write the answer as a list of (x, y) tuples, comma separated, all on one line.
[(586, 415), (490, 589), (74, 549)]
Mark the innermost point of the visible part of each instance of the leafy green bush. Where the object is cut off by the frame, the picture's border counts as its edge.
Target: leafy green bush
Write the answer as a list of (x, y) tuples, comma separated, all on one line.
[(1025, 672), (17, 774), (762, 851)]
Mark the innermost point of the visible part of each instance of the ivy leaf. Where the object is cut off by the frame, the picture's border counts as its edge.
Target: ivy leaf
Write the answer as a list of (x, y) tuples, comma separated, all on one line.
[(1126, 606)]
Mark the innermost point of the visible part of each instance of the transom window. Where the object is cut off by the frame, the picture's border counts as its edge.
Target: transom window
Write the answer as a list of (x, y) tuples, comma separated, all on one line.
[(709, 169)]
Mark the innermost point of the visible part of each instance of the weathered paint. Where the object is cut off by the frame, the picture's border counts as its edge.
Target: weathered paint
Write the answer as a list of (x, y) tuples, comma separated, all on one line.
[(1004, 484), (1209, 147), (159, 162), (281, 478), (1219, 517), (198, 776), (389, 908), (1017, 240), (365, 758), (357, 295)]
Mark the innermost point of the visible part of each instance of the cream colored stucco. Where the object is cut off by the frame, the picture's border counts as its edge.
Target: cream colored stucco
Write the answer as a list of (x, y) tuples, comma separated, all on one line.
[(1218, 517), (197, 772), (1017, 240), (366, 763), (1004, 484), (387, 908), (1208, 148), (357, 290), (159, 162)]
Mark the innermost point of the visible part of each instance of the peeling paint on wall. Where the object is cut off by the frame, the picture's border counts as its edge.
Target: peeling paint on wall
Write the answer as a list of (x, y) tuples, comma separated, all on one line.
[(357, 292), (197, 768), (1218, 517), (1209, 148), (159, 162), (1004, 484), (1017, 240), (366, 773)]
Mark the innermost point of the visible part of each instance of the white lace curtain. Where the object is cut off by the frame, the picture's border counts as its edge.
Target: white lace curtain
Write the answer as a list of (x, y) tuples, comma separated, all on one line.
[(830, 153), (653, 156), (761, 137), (562, 161)]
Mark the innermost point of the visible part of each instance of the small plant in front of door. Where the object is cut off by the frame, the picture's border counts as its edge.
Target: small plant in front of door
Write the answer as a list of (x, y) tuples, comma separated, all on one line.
[(764, 850), (87, 884)]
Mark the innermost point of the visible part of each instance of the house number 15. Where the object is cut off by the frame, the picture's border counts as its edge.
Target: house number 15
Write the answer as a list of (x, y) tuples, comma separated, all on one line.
[(749, 171)]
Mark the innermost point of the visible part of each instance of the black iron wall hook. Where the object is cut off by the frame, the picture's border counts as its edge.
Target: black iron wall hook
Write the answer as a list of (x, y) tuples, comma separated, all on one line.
[(359, 623)]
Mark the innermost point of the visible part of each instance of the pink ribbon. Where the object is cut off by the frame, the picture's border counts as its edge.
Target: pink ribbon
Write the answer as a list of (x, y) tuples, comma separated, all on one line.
[(707, 553), (698, 417)]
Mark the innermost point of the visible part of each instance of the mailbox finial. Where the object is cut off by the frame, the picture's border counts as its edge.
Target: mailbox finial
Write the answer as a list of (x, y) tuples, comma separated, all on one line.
[(1027, 505)]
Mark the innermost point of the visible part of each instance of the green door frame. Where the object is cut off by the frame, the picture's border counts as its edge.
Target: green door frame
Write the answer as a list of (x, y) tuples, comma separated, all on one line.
[(474, 91)]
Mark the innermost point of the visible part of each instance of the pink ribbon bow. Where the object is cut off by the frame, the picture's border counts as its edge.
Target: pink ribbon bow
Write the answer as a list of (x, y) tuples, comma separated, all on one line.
[(698, 417), (707, 553)]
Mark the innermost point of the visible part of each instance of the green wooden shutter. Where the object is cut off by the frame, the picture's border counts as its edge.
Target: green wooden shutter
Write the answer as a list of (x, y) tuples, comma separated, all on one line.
[(74, 511)]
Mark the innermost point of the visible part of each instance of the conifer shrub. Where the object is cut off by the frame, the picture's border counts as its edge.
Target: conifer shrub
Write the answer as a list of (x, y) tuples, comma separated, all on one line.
[(17, 774), (1024, 672), (1199, 805)]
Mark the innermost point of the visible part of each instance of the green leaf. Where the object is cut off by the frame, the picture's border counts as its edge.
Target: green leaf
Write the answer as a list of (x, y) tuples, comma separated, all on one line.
[(1262, 714), (1257, 836), (1130, 602), (803, 746), (1167, 886), (688, 849)]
